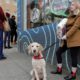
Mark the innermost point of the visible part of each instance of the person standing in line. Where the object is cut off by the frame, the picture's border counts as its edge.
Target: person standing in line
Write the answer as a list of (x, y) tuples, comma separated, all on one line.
[(13, 27), (2, 20), (7, 34), (71, 41)]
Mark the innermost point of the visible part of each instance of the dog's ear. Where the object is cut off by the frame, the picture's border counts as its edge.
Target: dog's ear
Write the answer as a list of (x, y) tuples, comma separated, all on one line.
[(29, 49), (41, 47)]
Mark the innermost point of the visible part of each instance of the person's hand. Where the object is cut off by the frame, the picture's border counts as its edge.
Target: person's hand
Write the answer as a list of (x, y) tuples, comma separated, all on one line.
[(64, 37)]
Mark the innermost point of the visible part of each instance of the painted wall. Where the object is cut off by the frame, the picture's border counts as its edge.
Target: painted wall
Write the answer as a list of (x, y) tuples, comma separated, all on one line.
[(45, 35)]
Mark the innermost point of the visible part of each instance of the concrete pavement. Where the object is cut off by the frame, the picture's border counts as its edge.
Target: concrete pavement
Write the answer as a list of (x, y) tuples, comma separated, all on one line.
[(17, 66)]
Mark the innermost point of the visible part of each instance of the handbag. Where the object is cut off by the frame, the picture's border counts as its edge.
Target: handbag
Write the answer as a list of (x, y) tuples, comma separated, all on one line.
[(6, 26)]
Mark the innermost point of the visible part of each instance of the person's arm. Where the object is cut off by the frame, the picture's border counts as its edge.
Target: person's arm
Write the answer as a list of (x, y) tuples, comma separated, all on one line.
[(10, 22), (74, 28), (2, 15)]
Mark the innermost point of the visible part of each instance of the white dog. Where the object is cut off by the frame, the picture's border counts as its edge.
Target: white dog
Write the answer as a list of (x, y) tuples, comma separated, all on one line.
[(61, 28), (38, 63)]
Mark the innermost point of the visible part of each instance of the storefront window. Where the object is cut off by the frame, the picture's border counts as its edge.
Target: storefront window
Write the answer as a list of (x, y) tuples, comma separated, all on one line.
[(36, 13), (41, 12)]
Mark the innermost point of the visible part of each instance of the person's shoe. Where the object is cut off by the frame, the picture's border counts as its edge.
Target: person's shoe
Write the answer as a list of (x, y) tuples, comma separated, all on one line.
[(72, 76), (9, 47), (5, 47), (58, 71), (3, 58)]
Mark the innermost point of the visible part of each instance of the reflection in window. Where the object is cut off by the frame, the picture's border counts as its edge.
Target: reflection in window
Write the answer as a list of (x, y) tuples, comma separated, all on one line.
[(36, 13), (39, 12)]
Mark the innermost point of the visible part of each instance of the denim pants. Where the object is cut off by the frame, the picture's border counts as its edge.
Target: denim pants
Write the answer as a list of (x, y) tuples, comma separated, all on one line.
[(1, 43), (7, 39)]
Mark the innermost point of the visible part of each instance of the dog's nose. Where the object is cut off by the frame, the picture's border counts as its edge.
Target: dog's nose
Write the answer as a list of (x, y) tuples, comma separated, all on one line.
[(34, 51)]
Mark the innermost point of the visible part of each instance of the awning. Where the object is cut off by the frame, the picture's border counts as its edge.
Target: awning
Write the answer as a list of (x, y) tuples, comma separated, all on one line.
[(59, 13)]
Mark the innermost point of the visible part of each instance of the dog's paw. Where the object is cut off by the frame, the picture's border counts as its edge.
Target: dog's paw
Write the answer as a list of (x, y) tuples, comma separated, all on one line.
[(33, 79), (44, 79), (31, 73)]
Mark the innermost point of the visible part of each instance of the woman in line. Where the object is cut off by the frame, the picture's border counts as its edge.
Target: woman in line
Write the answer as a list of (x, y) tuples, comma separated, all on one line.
[(7, 34), (71, 41), (2, 20)]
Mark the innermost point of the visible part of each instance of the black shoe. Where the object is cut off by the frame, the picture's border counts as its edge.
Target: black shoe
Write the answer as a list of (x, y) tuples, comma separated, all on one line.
[(3, 58), (58, 71), (9, 47), (70, 77), (5, 47)]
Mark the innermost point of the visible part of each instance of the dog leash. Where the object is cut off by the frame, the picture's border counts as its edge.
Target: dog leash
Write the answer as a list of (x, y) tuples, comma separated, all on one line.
[(51, 45)]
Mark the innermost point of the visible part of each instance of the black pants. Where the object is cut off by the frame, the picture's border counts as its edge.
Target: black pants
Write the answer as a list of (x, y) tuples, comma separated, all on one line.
[(13, 36), (73, 52)]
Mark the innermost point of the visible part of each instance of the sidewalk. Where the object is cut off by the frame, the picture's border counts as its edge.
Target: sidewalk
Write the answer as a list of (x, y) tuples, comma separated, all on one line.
[(17, 66)]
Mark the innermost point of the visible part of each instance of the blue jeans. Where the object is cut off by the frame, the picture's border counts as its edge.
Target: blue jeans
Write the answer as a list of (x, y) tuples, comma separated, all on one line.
[(7, 39), (1, 43)]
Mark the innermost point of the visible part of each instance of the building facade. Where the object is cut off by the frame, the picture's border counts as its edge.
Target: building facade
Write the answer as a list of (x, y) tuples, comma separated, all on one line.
[(9, 6)]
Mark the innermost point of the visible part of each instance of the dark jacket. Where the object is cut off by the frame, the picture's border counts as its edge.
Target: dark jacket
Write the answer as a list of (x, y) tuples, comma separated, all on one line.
[(12, 24)]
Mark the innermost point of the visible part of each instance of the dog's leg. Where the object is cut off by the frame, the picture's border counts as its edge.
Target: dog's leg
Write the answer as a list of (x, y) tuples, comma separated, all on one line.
[(44, 74), (36, 74), (32, 74)]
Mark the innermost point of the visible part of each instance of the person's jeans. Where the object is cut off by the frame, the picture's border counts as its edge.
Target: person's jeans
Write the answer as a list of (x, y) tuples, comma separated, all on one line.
[(7, 39), (1, 43)]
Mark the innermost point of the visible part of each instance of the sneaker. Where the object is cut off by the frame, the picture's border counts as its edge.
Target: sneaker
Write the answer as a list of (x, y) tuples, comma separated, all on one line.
[(58, 71)]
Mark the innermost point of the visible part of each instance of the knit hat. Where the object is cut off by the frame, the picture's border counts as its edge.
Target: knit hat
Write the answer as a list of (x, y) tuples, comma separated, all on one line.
[(7, 15)]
